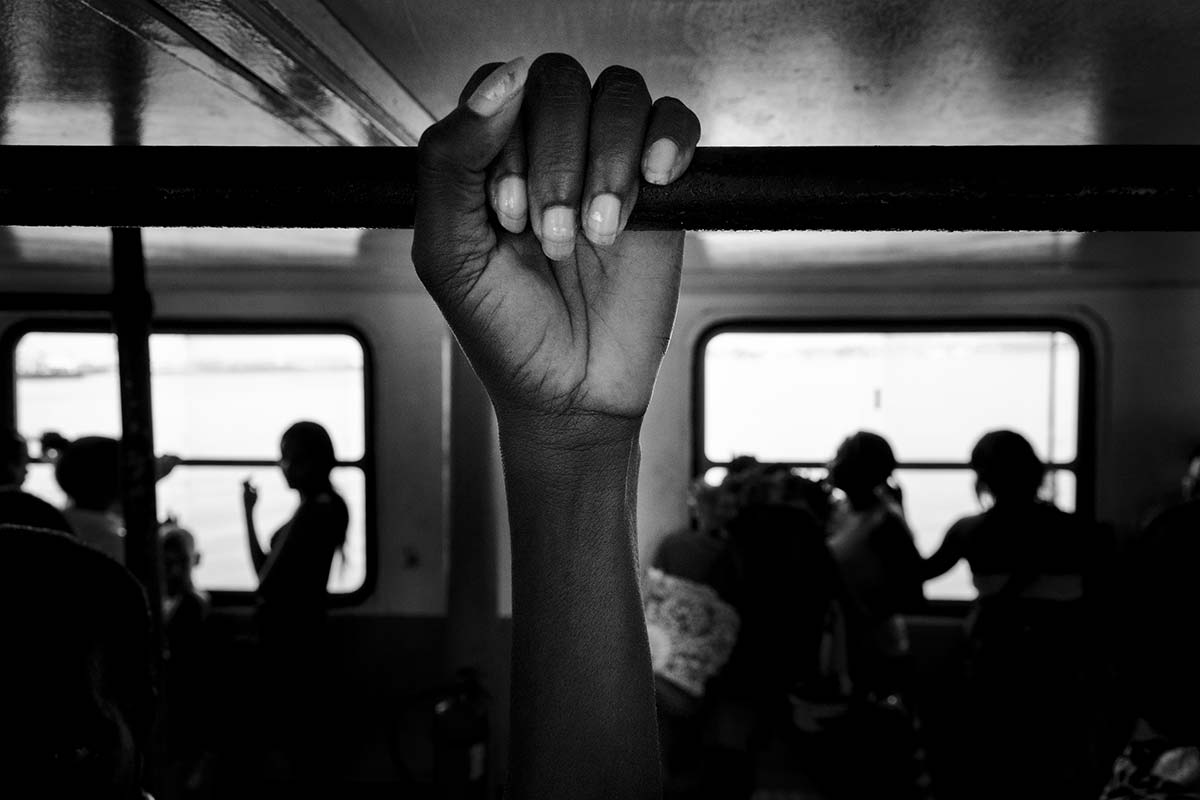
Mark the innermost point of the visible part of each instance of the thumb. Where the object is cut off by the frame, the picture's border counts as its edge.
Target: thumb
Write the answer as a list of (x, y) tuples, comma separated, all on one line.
[(452, 228)]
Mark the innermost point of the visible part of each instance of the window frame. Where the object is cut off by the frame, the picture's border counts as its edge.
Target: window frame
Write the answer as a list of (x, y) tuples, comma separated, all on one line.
[(1083, 465), (233, 326)]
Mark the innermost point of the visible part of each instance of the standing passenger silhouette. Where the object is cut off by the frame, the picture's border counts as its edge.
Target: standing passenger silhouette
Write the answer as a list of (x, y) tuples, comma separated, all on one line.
[(1026, 633), (292, 579), (293, 573)]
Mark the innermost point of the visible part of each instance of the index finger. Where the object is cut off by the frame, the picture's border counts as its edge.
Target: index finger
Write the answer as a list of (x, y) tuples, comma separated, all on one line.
[(671, 139)]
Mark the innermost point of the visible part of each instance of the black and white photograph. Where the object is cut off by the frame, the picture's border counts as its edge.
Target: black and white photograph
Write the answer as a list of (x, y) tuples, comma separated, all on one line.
[(633, 400)]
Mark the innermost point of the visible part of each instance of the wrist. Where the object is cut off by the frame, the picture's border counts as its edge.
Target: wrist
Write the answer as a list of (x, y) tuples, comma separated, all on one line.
[(570, 464), (567, 433)]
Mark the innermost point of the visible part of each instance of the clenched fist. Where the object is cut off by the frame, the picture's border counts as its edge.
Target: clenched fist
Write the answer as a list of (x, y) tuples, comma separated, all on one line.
[(524, 191)]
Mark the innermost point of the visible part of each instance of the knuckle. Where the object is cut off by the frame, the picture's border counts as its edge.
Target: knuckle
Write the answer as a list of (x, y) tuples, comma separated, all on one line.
[(556, 182), (679, 116), (559, 67), (435, 153), (432, 143)]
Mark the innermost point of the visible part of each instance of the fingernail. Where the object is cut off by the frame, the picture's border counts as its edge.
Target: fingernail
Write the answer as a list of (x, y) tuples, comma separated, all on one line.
[(511, 202), (660, 161), (499, 87), (558, 232), (603, 217)]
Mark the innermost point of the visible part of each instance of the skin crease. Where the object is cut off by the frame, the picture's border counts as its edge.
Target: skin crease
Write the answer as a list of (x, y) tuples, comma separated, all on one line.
[(566, 332)]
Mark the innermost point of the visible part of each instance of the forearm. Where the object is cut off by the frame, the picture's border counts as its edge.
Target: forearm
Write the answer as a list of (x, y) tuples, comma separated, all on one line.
[(258, 556), (583, 722), (941, 562)]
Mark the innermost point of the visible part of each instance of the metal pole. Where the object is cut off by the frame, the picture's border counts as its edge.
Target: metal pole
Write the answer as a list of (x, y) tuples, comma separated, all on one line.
[(132, 313), (1085, 188)]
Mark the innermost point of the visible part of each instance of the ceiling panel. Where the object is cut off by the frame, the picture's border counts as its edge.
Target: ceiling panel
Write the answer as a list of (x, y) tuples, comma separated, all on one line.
[(851, 72)]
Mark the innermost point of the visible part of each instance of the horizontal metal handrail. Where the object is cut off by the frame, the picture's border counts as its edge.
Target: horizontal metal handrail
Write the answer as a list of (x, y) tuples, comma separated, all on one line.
[(1084, 188)]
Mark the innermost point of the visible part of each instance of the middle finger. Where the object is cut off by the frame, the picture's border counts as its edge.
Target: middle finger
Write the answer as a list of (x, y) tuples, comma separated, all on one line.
[(557, 112)]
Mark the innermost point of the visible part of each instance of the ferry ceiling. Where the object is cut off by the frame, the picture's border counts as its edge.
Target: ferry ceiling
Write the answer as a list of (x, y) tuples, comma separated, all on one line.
[(758, 72)]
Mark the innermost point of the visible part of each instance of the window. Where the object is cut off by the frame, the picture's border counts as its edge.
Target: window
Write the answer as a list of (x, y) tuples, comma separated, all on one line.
[(221, 401), (789, 395)]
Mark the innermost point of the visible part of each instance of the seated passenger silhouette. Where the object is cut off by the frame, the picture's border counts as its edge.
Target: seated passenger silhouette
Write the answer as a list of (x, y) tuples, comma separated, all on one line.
[(187, 673), (876, 556), (18, 507), (88, 470), (293, 575), (785, 583), (1020, 547), (692, 628), (1027, 628), (1159, 659), (77, 668), (21, 508)]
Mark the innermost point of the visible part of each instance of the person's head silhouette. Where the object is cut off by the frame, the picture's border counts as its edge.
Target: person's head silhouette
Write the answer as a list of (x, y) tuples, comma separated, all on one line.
[(78, 669), (306, 457), (88, 471), (711, 507), (1007, 468), (14, 459), (861, 467), (179, 557)]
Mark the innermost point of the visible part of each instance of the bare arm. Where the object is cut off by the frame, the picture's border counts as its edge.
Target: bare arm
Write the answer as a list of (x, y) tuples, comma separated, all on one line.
[(565, 319), (949, 553), (258, 556), (582, 691)]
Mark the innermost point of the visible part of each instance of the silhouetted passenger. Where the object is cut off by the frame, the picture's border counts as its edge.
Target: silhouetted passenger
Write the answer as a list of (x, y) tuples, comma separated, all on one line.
[(876, 556), (88, 472), (692, 628), (18, 507), (1027, 629), (1187, 489), (763, 551), (294, 572), (786, 582), (293, 576), (22, 508), (14, 459), (185, 612), (808, 496), (695, 552), (1020, 547), (76, 668), (1161, 663)]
